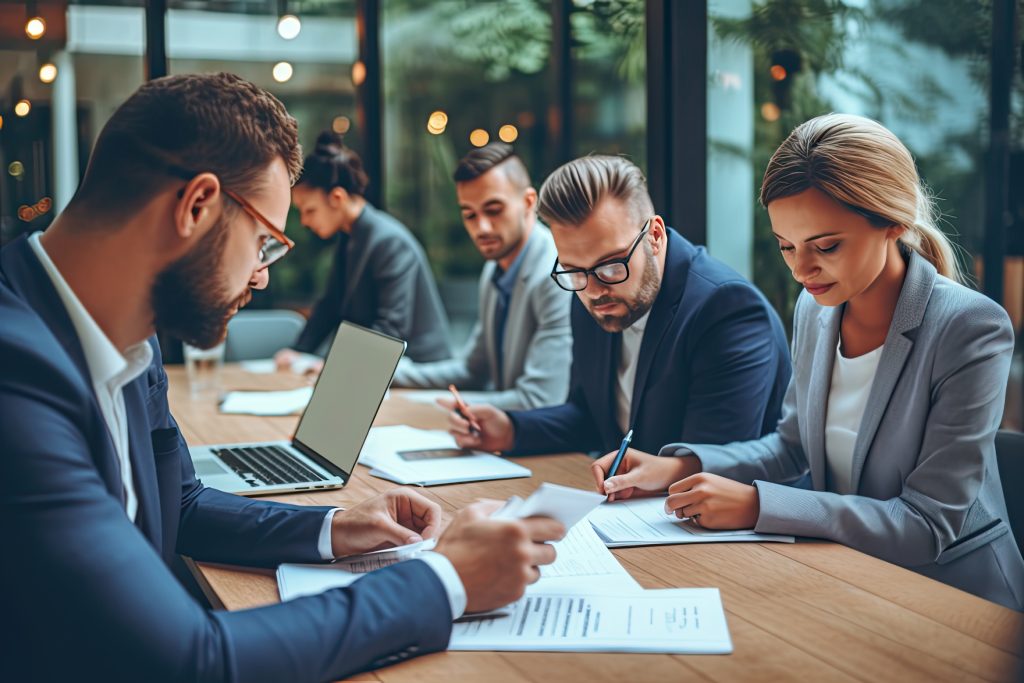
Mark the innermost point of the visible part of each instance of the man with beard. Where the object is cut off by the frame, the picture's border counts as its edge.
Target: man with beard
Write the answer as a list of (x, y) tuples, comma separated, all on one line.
[(519, 352), (667, 340), (172, 227)]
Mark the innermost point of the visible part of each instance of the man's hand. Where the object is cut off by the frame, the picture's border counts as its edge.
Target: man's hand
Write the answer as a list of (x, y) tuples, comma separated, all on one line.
[(496, 559), (496, 430), (714, 502), (640, 473), (284, 358), (398, 517)]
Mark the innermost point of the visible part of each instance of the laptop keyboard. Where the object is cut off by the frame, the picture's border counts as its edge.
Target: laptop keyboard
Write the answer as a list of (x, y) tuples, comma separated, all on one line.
[(265, 465)]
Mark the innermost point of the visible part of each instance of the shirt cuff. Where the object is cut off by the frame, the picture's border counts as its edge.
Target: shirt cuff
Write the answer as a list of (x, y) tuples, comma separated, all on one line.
[(324, 545), (445, 571)]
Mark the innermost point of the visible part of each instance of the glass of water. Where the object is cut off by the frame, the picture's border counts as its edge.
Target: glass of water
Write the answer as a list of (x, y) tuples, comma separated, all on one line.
[(203, 369)]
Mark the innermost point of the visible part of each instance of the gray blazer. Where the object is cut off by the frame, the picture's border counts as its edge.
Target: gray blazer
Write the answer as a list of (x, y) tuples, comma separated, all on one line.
[(381, 279), (537, 350), (927, 491)]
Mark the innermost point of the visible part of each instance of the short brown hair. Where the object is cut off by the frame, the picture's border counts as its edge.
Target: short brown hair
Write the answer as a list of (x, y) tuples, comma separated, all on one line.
[(574, 190), (178, 126), (494, 155)]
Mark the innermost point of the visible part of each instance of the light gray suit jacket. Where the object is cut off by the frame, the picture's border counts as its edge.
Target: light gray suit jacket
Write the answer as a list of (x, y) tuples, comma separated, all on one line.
[(927, 491), (537, 350)]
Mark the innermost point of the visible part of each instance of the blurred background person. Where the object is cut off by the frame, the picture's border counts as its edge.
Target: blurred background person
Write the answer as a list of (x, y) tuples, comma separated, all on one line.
[(380, 277), (520, 350)]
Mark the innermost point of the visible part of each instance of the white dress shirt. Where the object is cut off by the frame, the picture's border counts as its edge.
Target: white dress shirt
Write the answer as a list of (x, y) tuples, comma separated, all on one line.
[(110, 371), (629, 355), (847, 398)]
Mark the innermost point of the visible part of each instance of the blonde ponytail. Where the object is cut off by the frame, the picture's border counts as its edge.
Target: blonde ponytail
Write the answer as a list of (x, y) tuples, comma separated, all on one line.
[(863, 165)]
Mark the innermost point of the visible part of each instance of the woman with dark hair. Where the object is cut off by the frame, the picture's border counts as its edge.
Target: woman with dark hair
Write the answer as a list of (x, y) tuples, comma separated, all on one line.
[(380, 278)]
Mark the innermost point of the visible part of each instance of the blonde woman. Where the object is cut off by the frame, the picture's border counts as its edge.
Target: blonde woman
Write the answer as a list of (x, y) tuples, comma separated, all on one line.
[(899, 376)]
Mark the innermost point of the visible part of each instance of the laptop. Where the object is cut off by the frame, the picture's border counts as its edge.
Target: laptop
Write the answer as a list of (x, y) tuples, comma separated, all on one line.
[(322, 454)]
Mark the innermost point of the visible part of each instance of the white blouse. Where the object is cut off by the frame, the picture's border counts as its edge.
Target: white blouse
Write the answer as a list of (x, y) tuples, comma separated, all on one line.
[(847, 398)]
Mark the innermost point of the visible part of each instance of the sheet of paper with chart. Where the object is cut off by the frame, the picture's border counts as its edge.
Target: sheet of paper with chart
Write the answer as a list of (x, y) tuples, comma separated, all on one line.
[(676, 621), (643, 521)]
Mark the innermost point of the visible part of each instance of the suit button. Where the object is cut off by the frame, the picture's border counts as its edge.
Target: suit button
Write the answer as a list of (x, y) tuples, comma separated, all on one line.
[(414, 648)]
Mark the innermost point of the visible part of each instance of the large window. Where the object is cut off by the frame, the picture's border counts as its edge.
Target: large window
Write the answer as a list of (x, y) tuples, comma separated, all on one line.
[(311, 73), (920, 67)]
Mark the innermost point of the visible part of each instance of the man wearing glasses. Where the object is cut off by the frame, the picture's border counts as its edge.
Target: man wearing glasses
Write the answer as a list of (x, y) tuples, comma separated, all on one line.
[(667, 341), (172, 227)]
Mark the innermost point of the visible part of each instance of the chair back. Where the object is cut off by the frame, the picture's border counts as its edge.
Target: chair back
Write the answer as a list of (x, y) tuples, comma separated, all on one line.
[(261, 334), (1010, 458)]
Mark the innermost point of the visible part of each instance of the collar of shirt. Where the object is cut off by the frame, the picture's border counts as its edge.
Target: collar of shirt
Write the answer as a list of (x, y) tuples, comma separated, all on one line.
[(505, 280), (107, 366), (636, 330)]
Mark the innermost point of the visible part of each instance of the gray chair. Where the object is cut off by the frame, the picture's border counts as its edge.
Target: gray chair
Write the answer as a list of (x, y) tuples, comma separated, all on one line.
[(1010, 456), (260, 334)]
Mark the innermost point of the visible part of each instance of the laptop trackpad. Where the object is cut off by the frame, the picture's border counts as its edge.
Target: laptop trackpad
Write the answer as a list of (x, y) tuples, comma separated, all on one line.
[(208, 467)]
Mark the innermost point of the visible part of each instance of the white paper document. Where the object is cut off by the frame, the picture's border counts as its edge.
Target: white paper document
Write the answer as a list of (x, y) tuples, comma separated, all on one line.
[(567, 505), (431, 396), (266, 402), (581, 559), (407, 455), (267, 366), (643, 521), (677, 621)]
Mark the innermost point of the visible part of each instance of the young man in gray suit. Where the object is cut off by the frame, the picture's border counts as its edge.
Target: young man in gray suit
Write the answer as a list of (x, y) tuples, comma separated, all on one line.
[(519, 353)]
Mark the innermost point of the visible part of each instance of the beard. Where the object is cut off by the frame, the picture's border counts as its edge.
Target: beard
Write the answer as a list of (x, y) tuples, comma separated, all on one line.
[(189, 299), (650, 283)]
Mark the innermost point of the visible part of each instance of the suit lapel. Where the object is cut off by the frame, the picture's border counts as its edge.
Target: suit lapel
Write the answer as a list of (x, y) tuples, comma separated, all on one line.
[(673, 284), (910, 309), (488, 302), (140, 449), (817, 392)]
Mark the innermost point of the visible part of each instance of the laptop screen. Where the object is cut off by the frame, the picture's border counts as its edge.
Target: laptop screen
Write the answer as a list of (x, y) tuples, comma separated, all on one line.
[(351, 387)]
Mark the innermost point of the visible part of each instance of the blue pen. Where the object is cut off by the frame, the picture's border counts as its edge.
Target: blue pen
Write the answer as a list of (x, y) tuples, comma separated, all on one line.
[(618, 456)]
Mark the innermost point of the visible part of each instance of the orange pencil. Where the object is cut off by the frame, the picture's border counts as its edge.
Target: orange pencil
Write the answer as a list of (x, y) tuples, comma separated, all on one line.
[(463, 410)]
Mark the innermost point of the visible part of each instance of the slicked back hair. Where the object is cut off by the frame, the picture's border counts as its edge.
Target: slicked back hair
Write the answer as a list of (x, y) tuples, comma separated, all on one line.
[(573, 191)]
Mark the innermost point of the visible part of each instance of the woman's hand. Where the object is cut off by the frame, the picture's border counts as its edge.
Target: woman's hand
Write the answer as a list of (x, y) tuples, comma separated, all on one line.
[(714, 502)]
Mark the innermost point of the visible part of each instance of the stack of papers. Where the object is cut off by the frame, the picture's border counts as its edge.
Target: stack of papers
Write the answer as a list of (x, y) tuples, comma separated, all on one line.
[(266, 402), (431, 396), (267, 366), (643, 521), (584, 602), (406, 455)]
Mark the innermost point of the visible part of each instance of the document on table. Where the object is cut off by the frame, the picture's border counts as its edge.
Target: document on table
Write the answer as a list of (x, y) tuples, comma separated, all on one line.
[(266, 402), (643, 521), (675, 621), (581, 559), (406, 455), (267, 366), (431, 396)]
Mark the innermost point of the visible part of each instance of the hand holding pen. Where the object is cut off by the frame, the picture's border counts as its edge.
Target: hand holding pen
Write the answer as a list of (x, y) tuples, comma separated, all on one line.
[(478, 426), (463, 410)]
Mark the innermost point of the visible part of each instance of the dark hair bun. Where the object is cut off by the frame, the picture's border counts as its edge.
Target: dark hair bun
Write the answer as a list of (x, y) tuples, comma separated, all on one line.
[(328, 143), (332, 164)]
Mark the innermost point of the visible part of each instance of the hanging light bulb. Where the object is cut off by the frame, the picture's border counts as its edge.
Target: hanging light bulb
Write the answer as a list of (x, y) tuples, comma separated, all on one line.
[(48, 73), (35, 27), (288, 26)]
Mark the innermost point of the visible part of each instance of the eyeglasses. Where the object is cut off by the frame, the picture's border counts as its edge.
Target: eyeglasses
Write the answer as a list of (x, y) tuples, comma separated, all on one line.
[(611, 272), (277, 245)]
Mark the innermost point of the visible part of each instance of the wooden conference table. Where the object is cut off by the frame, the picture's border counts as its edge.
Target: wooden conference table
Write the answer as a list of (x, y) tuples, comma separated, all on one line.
[(810, 611)]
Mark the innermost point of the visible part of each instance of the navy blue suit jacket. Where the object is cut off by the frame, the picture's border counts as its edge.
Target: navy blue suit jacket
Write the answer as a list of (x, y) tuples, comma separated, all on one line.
[(90, 596), (713, 362)]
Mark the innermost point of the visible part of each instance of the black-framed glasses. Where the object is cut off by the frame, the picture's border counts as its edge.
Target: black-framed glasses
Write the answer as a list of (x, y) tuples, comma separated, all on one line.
[(611, 272)]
